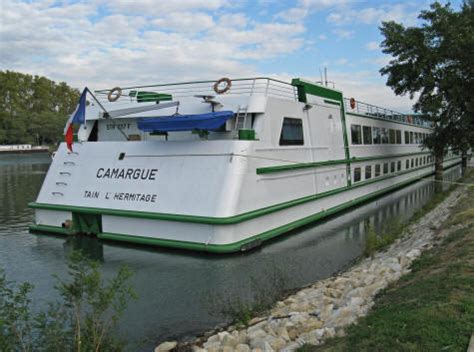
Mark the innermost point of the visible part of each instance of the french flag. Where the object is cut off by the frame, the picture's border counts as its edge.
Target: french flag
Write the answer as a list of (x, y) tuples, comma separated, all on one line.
[(78, 117)]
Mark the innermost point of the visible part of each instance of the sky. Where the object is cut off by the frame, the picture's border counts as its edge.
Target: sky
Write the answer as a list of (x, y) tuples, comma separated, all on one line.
[(103, 44)]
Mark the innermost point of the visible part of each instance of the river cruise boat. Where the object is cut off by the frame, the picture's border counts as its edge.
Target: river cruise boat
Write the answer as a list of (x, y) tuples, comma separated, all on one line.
[(222, 166), (22, 149)]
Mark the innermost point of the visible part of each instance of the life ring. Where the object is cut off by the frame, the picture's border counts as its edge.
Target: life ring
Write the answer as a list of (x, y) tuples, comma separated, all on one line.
[(228, 84), (114, 94), (352, 103)]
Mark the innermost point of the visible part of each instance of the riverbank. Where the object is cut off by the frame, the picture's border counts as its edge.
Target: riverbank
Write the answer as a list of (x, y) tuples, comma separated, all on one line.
[(325, 309)]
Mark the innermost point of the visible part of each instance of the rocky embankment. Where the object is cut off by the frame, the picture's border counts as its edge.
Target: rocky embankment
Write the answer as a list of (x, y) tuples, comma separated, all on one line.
[(324, 309)]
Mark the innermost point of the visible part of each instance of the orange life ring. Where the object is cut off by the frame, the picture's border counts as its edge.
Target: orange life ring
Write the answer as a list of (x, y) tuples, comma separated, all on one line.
[(352, 103), (114, 94), (228, 84)]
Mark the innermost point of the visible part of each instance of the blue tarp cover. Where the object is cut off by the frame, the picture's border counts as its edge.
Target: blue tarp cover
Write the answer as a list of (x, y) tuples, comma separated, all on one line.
[(209, 121)]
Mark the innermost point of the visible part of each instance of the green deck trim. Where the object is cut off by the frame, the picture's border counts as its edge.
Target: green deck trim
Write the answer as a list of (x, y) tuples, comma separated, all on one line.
[(315, 89), (332, 102), (280, 168), (50, 229), (237, 246), (388, 120)]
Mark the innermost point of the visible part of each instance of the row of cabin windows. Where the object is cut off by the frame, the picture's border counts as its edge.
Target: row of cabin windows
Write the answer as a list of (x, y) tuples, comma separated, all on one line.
[(383, 169), (381, 135)]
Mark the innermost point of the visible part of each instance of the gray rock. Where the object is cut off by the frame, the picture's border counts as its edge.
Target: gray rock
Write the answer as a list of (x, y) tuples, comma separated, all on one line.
[(166, 346)]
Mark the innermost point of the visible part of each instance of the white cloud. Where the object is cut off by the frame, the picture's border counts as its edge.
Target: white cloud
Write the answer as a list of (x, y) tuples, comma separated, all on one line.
[(185, 22), (343, 34), (402, 13), (295, 14), (130, 45), (372, 46)]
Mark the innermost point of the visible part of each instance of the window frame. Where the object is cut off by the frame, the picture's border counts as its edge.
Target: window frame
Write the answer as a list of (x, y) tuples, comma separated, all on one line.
[(291, 142)]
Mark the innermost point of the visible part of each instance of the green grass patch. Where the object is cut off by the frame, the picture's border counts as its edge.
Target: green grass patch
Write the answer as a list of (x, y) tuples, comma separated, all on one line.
[(430, 309)]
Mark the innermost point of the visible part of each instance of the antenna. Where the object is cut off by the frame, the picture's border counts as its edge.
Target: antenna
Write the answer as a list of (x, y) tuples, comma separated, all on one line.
[(321, 75), (326, 82)]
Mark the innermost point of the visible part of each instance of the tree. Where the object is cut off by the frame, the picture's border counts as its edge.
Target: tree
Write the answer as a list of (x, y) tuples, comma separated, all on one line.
[(33, 109), (435, 62)]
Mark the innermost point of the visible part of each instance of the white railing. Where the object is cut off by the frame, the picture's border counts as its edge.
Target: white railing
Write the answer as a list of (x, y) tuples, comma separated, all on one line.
[(241, 86), (383, 113)]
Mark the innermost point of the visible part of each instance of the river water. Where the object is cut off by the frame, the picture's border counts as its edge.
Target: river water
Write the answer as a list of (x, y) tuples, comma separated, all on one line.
[(181, 294)]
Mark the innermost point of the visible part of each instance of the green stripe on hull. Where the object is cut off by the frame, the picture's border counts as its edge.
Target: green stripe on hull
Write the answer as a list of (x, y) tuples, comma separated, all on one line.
[(50, 229), (264, 236), (215, 220), (280, 168)]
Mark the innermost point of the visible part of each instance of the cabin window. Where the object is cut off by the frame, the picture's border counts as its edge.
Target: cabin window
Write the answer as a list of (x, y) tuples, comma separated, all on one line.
[(416, 161), (407, 164), (356, 134), (399, 136), (367, 133), (368, 172), (292, 132), (377, 170), (385, 168), (399, 165), (357, 174), (412, 163), (411, 138), (384, 133), (376, 136), (392, 166), (391, 134), (407, 137), (424, 160)]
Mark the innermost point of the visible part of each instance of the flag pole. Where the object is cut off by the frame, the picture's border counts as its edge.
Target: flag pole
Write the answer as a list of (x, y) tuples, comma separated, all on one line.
[(106, 113)]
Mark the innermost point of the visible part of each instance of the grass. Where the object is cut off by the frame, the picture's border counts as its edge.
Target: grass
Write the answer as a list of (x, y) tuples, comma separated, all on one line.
[(387, 235), (430, 309), (390, 232)]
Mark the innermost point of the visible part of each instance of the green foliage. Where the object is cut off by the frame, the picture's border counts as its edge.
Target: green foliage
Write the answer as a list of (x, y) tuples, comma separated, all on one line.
[(389, 232), (82, 321), (265, 293), (436, 62), (430, 309), (33, 109)]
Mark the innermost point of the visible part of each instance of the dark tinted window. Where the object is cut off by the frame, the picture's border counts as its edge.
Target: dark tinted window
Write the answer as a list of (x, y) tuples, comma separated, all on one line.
[(377, 138), (391, 134), (384, 133), (399, 136), (385, 168), (292, 132), (392, 166), (367, 134), (407, 164), (357, 174), (368, 172), (399, 165), (407, 137), (377, 170), (356, 134)]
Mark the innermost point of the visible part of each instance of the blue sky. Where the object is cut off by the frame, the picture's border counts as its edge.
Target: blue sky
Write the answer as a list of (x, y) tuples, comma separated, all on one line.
[(102, 43)]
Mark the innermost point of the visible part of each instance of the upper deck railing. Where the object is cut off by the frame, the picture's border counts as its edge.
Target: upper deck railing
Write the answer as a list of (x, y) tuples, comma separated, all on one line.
[(241, 86), (383, 113)]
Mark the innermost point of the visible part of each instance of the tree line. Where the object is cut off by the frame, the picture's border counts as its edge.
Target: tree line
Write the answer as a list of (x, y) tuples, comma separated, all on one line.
[(33, 109), (435, 62)]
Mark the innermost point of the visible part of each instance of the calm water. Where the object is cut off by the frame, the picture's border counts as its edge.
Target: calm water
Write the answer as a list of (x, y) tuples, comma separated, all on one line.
[(181, 293)]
